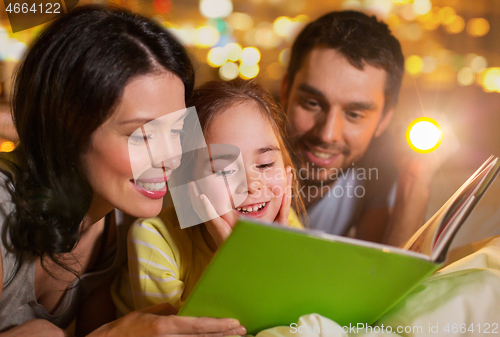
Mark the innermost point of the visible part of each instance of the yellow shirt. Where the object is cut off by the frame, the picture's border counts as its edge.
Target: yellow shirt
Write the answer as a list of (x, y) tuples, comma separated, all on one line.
[(165, 261)]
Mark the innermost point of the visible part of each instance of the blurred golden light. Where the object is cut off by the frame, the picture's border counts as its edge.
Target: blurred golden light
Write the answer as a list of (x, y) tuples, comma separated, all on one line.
[(233, 51), (216, 8), (217, 57), (429, 64), (424, 135), (430, 21), (352, 4), (491, 79), (422, 7), (456, 26), (275, 71), (240, 21), (413, 64), (265, 37), (7, 146), (466, 76), (393, 21), (302, 18), (206, 36), (228, 71), (184, 35), (284, 57), (408, 13), (446, 15), (478, 64), (250, 56), (402, 2), (478, 27), (280, 25), (413, 32), (248, 71)]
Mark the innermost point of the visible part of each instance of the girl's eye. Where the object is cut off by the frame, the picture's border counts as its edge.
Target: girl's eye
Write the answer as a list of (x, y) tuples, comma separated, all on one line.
[(265, 166), (226, 174)]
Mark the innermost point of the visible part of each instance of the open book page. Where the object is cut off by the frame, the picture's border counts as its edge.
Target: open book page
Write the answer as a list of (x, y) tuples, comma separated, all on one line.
[(438, 232)]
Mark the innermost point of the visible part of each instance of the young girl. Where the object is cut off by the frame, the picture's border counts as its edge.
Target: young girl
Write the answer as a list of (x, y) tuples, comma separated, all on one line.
[(165, 261)]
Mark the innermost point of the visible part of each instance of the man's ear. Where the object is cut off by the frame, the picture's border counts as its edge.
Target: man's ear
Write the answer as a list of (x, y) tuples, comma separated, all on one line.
[(283, 92), (384, 122)]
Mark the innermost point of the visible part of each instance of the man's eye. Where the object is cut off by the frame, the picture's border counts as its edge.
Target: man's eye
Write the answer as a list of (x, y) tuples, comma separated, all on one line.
[(354, 115), (310, 104)]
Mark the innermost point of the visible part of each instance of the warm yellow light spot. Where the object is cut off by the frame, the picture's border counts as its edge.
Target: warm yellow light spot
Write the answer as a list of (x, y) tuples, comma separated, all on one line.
[(250, 56), (490, 79), (233, 51), (216, 8), (275, 71), (281, 25), (217, 57), (456, 25), (424, 135), (413, 64), (206, 36), (248, 71), (446, 15), (466, 76), (240, 21), (478, 27), (302, 18), (422, 7), (228, 71), (7, 146), (402, 2), (284, 57), (430, 21), (478, 64)]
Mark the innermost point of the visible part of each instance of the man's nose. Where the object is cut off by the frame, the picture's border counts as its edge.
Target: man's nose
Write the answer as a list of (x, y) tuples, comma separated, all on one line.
[(331, 126)]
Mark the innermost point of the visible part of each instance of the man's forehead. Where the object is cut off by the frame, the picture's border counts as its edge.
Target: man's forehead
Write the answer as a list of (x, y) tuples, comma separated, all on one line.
[(330, 72)]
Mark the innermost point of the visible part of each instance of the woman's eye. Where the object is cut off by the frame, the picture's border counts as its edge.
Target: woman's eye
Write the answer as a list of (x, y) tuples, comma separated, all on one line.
[(140, 139), (177, 132), (226, 174), (265, 166)]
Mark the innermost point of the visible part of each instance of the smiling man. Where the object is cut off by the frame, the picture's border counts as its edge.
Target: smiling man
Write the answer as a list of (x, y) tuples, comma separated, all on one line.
[(340, 90)]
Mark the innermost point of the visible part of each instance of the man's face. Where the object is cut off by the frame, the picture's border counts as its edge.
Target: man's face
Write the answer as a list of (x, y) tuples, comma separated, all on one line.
[(335, 110)]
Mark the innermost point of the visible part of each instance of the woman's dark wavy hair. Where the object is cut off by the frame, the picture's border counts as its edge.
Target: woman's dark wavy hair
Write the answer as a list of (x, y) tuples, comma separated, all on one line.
[(69, 83)]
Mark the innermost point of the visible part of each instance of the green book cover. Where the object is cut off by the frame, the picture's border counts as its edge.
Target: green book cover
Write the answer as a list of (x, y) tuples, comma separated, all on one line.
[(266, 276)]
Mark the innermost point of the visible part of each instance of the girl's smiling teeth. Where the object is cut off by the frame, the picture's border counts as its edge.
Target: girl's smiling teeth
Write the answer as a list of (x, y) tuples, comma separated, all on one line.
[(251, 208)]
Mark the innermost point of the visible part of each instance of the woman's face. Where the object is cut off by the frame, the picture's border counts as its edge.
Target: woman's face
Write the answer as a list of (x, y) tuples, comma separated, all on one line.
[(133, 153), (245, 127)]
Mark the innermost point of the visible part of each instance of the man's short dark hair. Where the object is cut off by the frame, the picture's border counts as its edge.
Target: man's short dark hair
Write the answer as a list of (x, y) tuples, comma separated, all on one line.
[(361, 39)]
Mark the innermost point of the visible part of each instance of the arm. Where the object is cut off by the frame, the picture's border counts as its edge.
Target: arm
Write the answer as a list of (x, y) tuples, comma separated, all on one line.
[(154, 273), (372, 225), (408, 214)]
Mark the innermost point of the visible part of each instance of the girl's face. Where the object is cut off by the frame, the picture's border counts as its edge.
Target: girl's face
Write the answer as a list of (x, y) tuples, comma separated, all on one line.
[(113, 153), (245, 127)]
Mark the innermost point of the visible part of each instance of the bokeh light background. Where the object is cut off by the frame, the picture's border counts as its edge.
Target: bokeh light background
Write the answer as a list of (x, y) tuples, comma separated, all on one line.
[(452, 66)]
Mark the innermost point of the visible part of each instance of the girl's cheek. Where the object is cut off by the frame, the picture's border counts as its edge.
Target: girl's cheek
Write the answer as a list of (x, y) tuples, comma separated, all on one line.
[(277, 181)]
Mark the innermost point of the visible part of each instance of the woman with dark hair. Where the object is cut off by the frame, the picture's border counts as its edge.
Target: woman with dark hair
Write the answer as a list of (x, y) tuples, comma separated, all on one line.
[(90, 80)]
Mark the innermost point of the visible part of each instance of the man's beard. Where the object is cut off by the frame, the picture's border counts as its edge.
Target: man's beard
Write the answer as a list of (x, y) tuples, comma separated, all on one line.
[(300, 144)]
